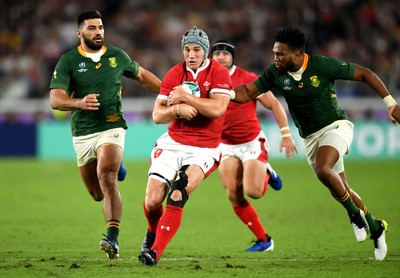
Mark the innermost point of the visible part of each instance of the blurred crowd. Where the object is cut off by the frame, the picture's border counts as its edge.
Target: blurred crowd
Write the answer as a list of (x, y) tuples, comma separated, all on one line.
[(35, 33)]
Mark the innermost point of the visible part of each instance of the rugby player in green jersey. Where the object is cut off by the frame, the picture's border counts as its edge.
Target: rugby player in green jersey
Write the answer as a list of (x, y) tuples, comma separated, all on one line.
[(87, 81), (307, 82)]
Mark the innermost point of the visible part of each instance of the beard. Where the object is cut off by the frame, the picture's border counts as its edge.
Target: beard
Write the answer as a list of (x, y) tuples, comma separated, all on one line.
[(92, 44), (290, 66)]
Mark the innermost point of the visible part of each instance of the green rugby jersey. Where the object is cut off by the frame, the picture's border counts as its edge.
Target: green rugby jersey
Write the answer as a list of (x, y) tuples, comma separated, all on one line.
[(312, 99), (79, 76)]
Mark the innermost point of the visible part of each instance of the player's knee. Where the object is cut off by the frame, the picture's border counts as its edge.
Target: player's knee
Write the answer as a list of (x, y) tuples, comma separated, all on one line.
[(97, 196), (255, 194), (177, 196), (323, 173)]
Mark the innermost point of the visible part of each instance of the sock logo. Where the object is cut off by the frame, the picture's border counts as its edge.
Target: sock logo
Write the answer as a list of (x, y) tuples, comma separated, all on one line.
[(168, 228)]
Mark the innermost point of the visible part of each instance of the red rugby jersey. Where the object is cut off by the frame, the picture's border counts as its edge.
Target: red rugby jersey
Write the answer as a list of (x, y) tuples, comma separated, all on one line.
[(212, 78), (241, 124)]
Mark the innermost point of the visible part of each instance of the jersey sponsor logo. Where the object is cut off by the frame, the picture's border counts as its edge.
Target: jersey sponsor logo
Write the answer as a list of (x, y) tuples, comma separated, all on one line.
[(98, 65), (314, 81), (286, 84), (113, 62), (113, 118), (55, 74), (82, 67), (226, 86)]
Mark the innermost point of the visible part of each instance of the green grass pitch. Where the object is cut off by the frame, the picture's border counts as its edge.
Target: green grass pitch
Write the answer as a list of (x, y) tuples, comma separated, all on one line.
[(50, 227)]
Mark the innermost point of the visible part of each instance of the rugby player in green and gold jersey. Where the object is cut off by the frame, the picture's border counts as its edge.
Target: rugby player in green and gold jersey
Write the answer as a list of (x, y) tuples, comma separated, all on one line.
[(307, 82), (87, 81)]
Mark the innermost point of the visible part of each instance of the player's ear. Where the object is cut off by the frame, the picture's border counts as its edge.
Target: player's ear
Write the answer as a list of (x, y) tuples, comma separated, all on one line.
[(79, 34)]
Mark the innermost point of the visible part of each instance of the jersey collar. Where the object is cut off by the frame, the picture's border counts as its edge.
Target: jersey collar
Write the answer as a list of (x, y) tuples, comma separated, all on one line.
[(232, 70), (83, 53), (205, 64), (297, 74)]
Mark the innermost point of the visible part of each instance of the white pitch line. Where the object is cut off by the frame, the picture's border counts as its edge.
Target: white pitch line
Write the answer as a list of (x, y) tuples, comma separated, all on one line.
[(203, 259)]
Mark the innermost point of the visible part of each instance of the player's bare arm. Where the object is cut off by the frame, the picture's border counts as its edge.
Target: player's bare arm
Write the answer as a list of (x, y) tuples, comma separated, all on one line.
[(162, 113), (269, 101), (148, 80), (61, 101), (372, 80), (245, 93), (213, 107)]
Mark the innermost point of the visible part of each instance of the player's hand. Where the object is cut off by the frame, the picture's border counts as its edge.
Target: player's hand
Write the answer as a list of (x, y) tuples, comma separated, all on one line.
[(394, 114), (89, 102), (187, 112), (177, 95), (290, 147)]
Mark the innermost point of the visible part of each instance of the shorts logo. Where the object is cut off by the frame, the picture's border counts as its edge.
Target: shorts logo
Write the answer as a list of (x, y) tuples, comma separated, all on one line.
[(157, 153), (116, 135), (314, 81)]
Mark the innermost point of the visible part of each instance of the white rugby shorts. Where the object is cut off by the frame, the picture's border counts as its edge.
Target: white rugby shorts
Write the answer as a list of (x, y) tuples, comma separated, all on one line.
[(256, 149), (339, 135), (168, 156), (86, 146)]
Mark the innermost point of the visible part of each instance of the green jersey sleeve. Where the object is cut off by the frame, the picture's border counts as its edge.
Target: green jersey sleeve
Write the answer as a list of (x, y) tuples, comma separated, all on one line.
[(61, 75)]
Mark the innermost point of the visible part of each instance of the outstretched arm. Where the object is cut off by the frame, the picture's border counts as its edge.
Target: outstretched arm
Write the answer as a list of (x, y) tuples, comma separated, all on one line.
[(148, 80), (245, 93), (372, 80), (269, 101)]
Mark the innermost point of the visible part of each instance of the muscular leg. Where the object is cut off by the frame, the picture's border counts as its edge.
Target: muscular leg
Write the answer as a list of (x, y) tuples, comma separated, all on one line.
[(171, 219), (100, 178), (235, 179), (109, 157), (231, 176), (325, 159), (254, 178), (89, 176)]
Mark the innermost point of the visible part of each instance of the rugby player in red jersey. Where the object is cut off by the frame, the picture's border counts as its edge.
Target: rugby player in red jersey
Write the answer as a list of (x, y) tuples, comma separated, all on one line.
[(189, 151)]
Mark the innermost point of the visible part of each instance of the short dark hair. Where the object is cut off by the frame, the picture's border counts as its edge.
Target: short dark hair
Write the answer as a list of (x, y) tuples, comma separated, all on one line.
[(88, 15), (292, 36)]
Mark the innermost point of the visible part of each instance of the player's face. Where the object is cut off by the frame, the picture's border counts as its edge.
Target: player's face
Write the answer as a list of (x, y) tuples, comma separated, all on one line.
[(223, 57), (193, 55), (284, 57), (91, 34)]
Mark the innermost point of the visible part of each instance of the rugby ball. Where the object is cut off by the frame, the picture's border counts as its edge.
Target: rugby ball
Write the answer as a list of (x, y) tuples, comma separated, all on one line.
[(191, 88)]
